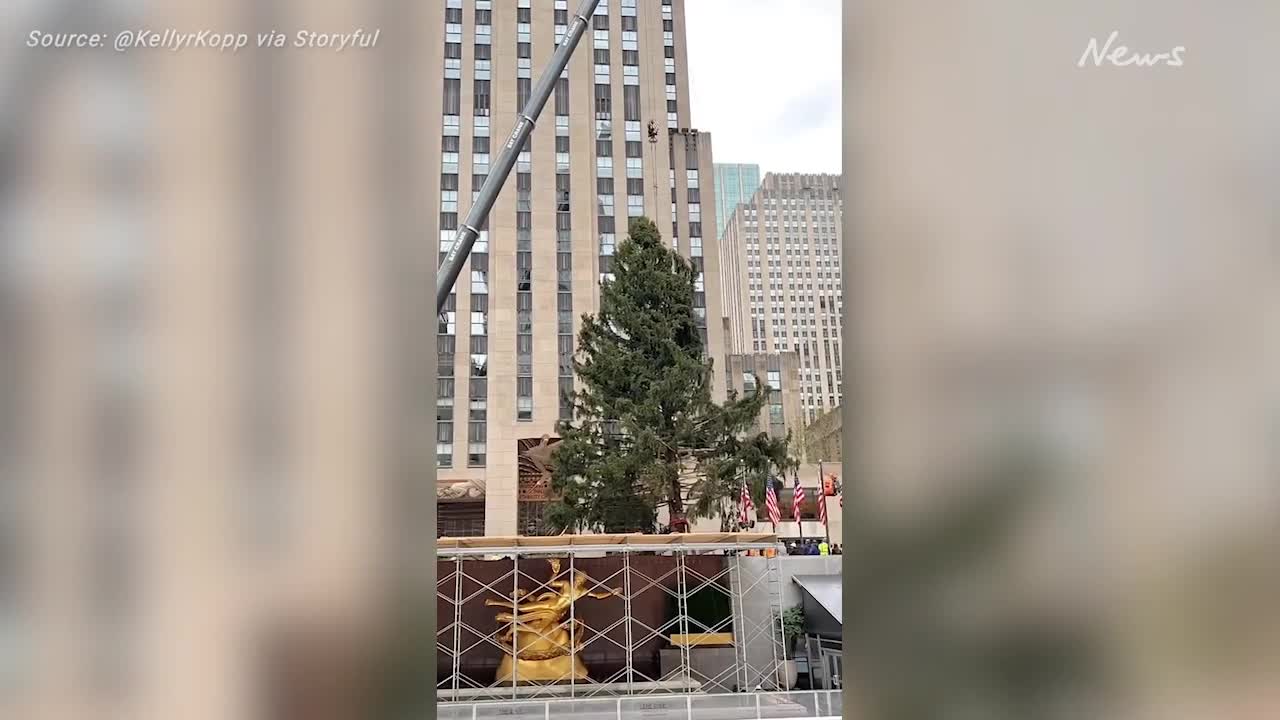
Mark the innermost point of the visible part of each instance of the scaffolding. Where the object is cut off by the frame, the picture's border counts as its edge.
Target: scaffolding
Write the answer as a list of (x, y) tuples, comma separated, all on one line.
[(649, 632)]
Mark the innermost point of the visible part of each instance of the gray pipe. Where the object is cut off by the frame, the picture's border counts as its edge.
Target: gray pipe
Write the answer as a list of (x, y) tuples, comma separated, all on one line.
[(447, 275)]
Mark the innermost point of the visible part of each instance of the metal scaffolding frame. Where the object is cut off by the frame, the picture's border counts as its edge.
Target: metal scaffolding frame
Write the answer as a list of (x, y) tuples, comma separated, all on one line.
[(751, 584)]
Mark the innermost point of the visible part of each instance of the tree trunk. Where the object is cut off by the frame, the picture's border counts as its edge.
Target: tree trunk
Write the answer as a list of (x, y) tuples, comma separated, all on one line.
[(676, 501)]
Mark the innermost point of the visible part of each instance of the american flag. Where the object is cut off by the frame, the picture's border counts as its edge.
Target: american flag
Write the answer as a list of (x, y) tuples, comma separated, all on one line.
[(748, 506), (797, 500), (771, 501), (822, 508)]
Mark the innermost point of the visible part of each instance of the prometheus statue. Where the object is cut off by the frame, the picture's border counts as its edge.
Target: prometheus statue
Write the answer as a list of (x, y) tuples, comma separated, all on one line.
[(541, 641)]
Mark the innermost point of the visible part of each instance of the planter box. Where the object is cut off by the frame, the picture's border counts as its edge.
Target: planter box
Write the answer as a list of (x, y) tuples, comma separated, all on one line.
[(703, 640)]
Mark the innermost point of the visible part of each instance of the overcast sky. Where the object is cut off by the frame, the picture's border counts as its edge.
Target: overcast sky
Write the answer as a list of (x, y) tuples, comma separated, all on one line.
[(765, 97)]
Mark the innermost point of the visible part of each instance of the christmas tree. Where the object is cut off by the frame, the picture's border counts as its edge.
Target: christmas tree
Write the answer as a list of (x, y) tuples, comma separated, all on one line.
[(646, 433)]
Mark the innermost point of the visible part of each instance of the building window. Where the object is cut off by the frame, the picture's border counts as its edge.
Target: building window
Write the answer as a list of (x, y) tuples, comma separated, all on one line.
[(631, 102), (479, 365), (565, 346), (452, 96), (524, 398), (460, 519), (444, 443), (562, 96), (448, 323), (775, 414), (604, 105), (476, 444), (523, 88), (566, 398)]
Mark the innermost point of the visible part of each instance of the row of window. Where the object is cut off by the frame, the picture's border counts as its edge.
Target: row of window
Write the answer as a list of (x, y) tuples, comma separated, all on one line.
[(669, 62), (794, 284), (477, 400), (775, 256), (776, 295), (524, 244), (564, 257), (794, 270), (793, 207), (446, 340), (632, 148)]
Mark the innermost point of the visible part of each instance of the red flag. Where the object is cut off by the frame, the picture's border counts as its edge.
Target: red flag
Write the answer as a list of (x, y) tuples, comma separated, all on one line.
[(822, 510)]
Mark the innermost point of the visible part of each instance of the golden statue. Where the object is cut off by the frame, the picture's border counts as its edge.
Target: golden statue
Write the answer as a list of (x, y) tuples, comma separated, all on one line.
[(542, 643)]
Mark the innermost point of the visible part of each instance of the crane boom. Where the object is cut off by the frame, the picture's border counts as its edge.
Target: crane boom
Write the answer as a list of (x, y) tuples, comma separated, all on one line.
[(469, 230)]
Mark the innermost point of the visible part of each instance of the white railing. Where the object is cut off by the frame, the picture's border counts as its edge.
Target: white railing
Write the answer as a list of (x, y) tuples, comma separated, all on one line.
[(800, 705)]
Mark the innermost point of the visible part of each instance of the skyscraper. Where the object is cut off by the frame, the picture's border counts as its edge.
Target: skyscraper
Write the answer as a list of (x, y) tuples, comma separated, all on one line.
[(612, 144), (735, 183), (781, 253)]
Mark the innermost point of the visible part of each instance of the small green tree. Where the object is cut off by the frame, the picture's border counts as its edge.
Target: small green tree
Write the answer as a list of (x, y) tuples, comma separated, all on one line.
[(646, 433), (792, 622)]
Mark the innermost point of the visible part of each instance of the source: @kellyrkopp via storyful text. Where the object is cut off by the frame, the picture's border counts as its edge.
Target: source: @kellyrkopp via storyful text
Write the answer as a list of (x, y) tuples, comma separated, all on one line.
[(174, 40)]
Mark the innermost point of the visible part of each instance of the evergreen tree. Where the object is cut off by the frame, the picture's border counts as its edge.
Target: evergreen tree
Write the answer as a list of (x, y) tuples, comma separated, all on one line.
[(645, 432)]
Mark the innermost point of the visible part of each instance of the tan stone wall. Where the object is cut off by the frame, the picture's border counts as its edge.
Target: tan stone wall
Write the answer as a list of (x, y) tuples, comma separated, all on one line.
[(823, 437)]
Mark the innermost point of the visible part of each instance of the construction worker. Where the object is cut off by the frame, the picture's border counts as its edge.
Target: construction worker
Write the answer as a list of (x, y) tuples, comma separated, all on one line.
[(824, 548)]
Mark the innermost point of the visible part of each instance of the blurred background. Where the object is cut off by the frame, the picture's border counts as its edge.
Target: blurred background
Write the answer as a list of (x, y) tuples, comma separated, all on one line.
[(1061, 304), (213, 291), (216, 361)]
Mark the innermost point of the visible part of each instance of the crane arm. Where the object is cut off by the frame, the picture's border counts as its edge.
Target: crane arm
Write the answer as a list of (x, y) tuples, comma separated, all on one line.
[(469, 230)]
